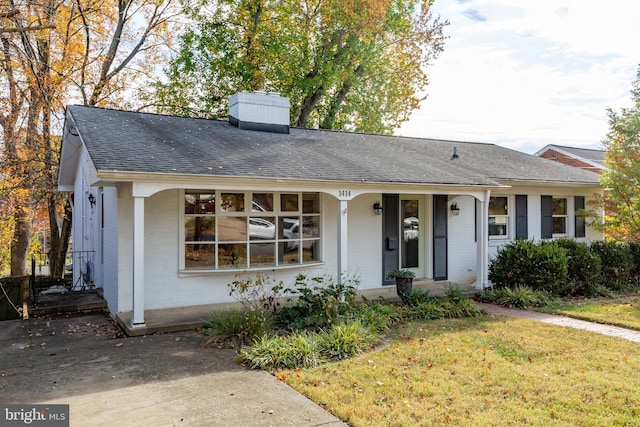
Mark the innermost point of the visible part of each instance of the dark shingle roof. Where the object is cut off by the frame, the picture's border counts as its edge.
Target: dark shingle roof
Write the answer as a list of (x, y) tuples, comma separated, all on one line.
[(142, 142)]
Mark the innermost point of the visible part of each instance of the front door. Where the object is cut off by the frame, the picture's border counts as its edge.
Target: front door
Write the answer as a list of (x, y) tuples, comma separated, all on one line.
[(390, 236), (440, 212), (403, 234)]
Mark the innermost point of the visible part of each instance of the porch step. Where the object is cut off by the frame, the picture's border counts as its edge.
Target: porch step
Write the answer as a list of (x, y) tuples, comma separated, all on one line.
[(69, 302)]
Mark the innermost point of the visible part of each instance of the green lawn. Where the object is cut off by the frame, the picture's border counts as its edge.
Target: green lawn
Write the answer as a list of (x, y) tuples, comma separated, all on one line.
[(487, 371), (622, 311)]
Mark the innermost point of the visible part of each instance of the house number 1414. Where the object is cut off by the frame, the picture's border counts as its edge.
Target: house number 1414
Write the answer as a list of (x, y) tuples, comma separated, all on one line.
[(344, 193)]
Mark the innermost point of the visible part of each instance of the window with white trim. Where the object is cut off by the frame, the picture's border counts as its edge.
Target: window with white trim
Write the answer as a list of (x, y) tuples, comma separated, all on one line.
[(559, 215), (498, 217), (226, 230)]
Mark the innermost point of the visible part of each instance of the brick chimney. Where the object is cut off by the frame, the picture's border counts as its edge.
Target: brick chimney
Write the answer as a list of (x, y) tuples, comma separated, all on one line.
[(263, 111)]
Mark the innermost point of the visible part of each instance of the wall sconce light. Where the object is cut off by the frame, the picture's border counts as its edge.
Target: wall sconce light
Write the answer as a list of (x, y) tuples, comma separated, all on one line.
[(455, 210), (377, 208), (92, 200)]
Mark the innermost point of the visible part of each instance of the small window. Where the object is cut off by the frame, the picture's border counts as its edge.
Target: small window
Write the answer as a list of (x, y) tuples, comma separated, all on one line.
[(559, 216), (498, 217)]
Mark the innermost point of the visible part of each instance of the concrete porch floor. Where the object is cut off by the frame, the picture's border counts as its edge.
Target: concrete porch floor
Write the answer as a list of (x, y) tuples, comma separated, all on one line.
[(194, 317)]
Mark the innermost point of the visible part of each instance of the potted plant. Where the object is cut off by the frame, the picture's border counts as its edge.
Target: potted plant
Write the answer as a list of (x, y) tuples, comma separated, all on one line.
[(404, 281)]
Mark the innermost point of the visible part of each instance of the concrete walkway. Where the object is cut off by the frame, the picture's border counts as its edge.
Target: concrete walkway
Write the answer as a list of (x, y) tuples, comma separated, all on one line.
[(172, 379), (614, 331)]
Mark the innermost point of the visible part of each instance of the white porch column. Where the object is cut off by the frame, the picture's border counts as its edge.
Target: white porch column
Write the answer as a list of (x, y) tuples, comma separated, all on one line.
[(137, 317), (482, 266), (342, 239)]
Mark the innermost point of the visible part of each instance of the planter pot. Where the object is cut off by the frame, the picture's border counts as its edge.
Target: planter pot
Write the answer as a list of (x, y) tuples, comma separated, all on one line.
[(404, 286)]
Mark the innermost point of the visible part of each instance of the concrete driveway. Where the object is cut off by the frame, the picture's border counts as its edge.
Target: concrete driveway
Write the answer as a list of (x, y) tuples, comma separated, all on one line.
[(158, 380)]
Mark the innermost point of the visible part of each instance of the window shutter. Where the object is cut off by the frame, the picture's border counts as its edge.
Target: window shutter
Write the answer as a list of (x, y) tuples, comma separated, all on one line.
[(578, 203), (546, 227), (522, 229)]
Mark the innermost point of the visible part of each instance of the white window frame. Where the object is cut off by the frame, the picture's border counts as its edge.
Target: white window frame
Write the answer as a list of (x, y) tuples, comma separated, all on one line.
[(565, 216), (277, 213), (508, 218)]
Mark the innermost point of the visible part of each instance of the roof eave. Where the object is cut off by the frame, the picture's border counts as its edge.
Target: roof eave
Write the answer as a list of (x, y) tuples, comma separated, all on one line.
[(107, 178)]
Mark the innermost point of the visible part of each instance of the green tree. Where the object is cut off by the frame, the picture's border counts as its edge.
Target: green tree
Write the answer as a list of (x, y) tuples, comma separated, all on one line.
[(621, 202), (344, 64)]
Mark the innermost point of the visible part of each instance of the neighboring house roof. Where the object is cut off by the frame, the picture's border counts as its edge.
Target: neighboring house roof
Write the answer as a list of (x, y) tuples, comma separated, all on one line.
[(136, 142), (589, 156)]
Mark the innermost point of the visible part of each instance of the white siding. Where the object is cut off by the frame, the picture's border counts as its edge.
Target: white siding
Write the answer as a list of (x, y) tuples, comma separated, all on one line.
[(109, 275), (166, 286), (125, 248), (534, 214), (365, 241), (462, 247)]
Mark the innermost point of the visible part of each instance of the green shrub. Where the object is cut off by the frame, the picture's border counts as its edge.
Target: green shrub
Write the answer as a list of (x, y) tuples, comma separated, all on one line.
[(522, 297), (583, 268), (525, 263), (320, 302), (346, 340), (634, 249), (237, 328), (617, 264), (279, 352)]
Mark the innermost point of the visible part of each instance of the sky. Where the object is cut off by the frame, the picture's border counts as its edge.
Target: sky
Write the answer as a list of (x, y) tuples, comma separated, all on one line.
[(527, 73)]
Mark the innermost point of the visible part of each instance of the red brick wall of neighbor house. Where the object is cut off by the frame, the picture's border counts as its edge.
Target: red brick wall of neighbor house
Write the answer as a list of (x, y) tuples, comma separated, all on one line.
[(562, 158)]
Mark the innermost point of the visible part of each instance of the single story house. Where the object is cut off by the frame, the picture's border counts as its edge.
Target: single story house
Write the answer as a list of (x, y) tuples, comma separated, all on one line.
[(169, 210)]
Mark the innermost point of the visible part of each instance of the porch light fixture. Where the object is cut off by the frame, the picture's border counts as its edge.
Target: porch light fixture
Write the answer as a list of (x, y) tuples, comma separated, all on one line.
[(377, 208), (92, 199), (455, 210)]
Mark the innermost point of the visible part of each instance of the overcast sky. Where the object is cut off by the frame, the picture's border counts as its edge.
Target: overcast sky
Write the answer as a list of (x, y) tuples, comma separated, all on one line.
[(527, 73)]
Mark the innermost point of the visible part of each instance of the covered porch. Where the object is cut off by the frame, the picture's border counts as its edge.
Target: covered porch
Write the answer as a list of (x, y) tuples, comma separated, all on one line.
[(194, 317)]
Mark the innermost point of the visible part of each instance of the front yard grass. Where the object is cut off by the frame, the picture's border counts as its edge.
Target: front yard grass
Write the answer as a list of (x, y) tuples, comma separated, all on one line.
[(623, 311), (488, 371)]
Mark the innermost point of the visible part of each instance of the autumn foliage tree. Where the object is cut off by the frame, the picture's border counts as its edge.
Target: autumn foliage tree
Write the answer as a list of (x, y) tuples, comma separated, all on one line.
[(344, 64), (53, 52), (621, 202)]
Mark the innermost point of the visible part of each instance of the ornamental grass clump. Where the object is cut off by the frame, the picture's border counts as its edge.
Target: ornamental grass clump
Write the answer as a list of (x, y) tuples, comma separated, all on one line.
[(378, 316), (521, 297), (346, 340), (237, 328), (298, 350)]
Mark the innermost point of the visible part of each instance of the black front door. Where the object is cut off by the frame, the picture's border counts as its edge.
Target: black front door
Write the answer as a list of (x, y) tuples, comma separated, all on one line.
[(390, 234), (440, 212)]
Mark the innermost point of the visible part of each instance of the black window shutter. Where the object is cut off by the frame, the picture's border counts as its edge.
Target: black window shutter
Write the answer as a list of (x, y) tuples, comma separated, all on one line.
[(547, 217), (522, 229), (578, 203)]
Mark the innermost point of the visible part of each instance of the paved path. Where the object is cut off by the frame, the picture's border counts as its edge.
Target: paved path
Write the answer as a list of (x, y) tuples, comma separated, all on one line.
[(160, 380), (614, 331)]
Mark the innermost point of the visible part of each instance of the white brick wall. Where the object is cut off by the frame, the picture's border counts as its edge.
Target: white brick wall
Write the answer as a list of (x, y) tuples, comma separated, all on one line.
[(166, 287), (462, 246)]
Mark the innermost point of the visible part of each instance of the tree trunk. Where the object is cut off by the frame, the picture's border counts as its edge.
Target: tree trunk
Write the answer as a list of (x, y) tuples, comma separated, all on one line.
[(59, 237), (20, 243), (336, 103)]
